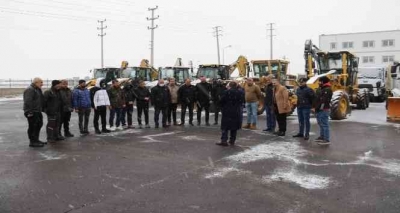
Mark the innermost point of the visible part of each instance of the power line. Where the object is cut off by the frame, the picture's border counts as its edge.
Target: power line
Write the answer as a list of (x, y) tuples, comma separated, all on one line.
[(152, 28), (218, 32), (271, 35), (102, 34)]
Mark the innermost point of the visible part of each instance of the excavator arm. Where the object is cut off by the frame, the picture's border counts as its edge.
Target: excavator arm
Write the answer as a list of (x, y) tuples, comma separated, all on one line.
[(153, 73), (241, 64), (310, 57)]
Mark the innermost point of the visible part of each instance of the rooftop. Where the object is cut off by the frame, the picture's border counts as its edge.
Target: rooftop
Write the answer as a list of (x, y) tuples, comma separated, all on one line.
[(384, 31)]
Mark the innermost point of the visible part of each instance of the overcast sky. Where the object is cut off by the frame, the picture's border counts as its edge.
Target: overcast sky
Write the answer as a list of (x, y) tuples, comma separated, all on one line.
[(58, 38)]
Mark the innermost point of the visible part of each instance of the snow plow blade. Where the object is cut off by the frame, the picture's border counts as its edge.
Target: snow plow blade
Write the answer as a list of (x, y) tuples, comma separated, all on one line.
[(393, 109)]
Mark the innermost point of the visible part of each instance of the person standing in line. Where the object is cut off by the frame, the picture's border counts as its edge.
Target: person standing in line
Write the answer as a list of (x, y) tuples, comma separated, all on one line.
[(33, 105), (66, 99), (117, 100), (53, 108), (142, 103), (173, 89), (100, 103), (281, 106), (203, 97), (305, 100), (269, 104), (82, 105), (252, 96), (160, 98), (129, 101), (322, 110), (216, 94), (187, 98), (231, 102)]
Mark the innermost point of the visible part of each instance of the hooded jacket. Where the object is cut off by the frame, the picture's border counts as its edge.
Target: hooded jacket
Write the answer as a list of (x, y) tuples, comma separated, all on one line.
[(324, 96), (33, 99), (305, 97), (129, 94), (100, 97), (81, 98)]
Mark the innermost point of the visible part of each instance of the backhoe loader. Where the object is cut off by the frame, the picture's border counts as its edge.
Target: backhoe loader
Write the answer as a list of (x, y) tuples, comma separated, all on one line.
[(178, 71), (393, 92)]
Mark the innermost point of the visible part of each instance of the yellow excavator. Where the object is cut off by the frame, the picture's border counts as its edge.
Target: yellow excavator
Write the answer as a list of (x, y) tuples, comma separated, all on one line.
[(341, 68), (143, 72)]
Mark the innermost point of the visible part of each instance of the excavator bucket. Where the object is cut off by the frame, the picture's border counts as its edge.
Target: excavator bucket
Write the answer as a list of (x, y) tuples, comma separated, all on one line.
[(393, 109)]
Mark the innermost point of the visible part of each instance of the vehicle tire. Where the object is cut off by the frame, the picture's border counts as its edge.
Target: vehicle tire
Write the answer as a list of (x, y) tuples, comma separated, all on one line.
[(361, 100), (367, 98), (339, 105)]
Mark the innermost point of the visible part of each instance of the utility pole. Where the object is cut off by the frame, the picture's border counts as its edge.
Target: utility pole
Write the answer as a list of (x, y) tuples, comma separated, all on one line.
[(102, 34), (152, 28), (218, 31), (271, 35)]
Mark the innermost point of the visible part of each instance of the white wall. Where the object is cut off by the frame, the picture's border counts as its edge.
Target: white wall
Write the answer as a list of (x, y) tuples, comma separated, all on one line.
[(377, 51)]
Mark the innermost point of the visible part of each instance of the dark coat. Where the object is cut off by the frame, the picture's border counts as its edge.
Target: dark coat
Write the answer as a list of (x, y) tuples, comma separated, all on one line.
[(117, 97), (52, 102), (160, 96), (203, 93), (81, 98), (66, 99), (141, 94), (231, 102), (33, 99), (323, 99), (129, 94), (305, 97), (93, 91), (217, 92), (269, 95), (187, 94)]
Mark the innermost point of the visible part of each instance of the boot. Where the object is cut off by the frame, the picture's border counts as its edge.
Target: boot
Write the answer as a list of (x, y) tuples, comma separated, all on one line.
[(246, 126), (68, 134), (253, 127), (98, 131), (36, 144), (281, 133), (298, 135), (222, 143)]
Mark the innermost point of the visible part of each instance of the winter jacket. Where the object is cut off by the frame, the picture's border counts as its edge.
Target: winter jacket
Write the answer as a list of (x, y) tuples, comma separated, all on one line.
[(52, 102), (129, 94), (101, 98), (253, 93), (217, 92), (160, 96), (33, 99), (282, 99), (81, 98), (232, 102), (173, 90), (305, 97), (323, 99), (203, 93), (117, 97), (66, 99), (186, 94), (269, 95), (142, 93)]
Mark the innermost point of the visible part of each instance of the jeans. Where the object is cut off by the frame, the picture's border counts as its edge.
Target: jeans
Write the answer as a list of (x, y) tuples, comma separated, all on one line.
[(200, 109), (303, 115), (127, 112), (52, 128), (172, 112), (224, 137), (65, 119), (271, 122), (101, 111), (35, 124), (323, 122), (183, 112), (84, 114), (157, 111), (145, 110), (252, 112), (115, 113)]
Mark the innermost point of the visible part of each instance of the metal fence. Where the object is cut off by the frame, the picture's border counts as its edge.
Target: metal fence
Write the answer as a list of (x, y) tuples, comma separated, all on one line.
[(17, 83)]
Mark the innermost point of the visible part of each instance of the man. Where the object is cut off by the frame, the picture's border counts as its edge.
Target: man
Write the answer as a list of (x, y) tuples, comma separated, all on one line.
[(281, 106), (231, 102), (173, 89), (117, 100), (100, 103), (52, 108), (142, 103), (269, 104), (203, 97), (216, 93), (33, 104), (305, 100), (66, 100), (160, 98), (252, 96), (186, 95), (82, 105), (322, 110), (129, 100)]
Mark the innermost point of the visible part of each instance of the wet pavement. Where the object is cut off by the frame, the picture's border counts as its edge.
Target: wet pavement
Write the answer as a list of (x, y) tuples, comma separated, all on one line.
[(181, 170)]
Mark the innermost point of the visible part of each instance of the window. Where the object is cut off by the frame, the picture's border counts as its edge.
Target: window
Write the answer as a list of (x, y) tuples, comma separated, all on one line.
[(388, 43), (368, 59), (368, 44), (348, 44), (388, 59), (333, 45)]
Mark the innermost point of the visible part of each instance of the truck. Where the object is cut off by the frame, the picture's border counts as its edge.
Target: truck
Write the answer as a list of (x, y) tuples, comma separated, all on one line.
[(373, 79)]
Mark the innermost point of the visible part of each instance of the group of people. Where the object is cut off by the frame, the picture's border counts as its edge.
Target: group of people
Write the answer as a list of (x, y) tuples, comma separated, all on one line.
[(60, 101)]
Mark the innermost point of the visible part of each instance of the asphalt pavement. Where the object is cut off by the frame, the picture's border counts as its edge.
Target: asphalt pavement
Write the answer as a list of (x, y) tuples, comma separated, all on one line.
[(180, 169)]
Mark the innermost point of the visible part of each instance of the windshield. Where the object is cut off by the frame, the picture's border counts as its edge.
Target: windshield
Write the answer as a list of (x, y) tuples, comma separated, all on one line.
[(180, 74), (329, 63), (137, 72), (99, 73), (370, 73), (209, 72)]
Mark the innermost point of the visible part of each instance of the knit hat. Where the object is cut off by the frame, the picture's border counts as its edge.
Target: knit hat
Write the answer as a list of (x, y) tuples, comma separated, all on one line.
[(324, 79), (55, 82)]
